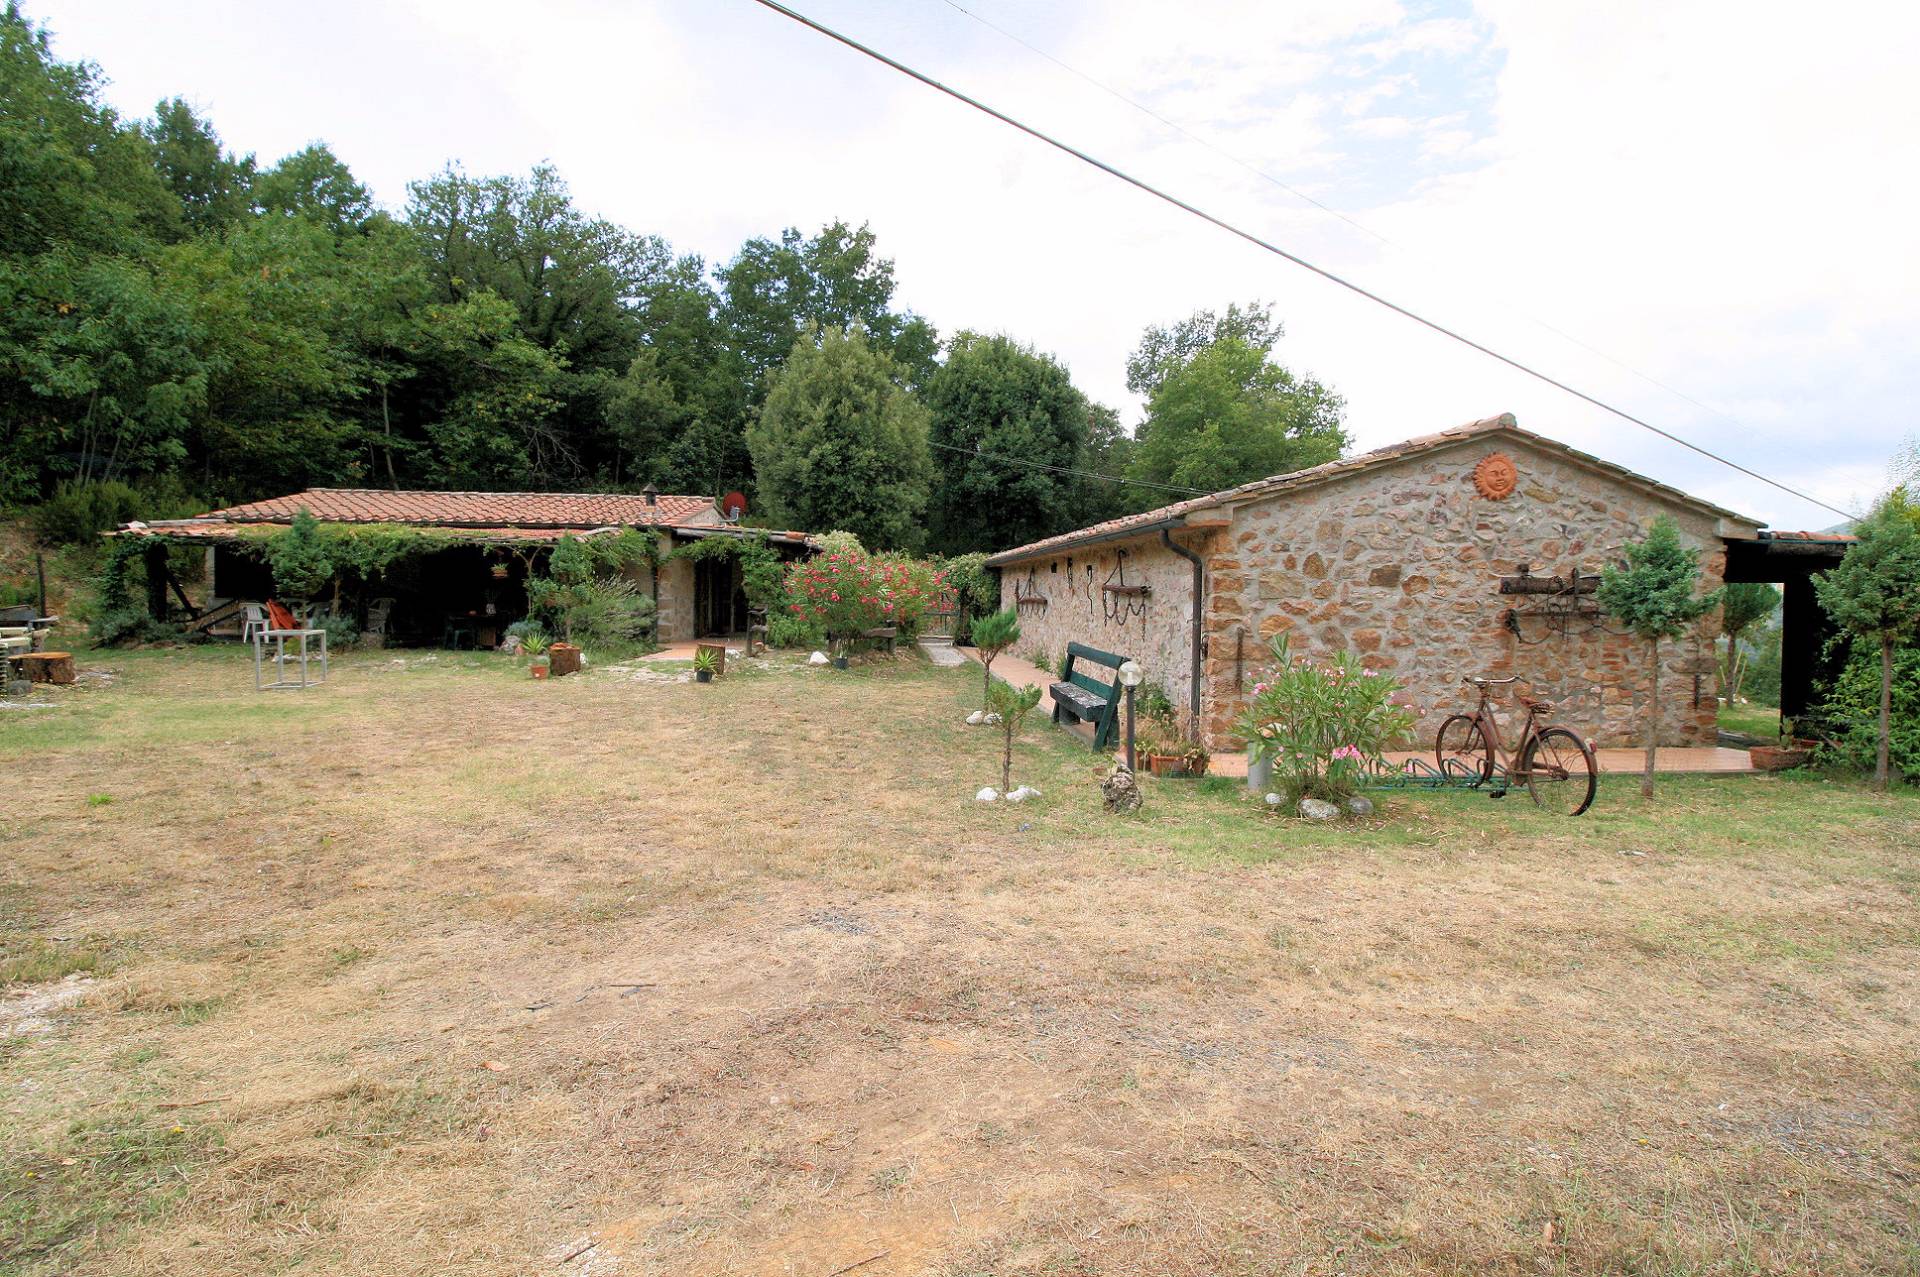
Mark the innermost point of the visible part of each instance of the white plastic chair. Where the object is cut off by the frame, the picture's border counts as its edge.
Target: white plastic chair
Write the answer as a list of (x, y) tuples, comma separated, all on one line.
[(255, 624)]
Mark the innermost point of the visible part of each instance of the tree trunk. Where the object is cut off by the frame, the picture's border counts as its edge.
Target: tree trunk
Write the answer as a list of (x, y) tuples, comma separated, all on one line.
[(1880, 777), (1653, 722), (1006, 758), (986, 684)]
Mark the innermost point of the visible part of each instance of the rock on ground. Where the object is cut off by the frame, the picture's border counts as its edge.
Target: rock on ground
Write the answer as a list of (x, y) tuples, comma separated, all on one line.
[(1318, 809), (1360, 805)]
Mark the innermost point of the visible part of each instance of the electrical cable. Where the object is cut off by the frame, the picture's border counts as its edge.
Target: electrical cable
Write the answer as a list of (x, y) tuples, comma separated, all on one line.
[(1258, 242), (1328, 209), (1084, 474)]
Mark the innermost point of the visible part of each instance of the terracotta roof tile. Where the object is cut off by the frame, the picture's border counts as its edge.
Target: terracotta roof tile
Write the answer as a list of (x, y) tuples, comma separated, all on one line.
[(476, 509)]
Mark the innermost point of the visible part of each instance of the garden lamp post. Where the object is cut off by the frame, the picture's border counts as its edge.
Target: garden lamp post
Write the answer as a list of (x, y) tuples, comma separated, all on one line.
[(1130, 675)]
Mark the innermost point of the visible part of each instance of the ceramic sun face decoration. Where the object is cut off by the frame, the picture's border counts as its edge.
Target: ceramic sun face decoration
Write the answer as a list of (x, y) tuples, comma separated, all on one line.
[(1496, 477)]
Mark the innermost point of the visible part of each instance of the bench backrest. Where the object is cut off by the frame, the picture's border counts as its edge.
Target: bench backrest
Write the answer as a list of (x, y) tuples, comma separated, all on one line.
[(1077, 652)]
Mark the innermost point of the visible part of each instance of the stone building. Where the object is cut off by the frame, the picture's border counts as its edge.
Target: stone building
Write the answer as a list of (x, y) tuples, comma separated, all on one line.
[(1433, 559), (489, 544)]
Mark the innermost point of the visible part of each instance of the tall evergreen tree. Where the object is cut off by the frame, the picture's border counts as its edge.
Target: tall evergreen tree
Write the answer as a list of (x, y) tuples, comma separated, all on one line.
[(839, 444), (995, 398)]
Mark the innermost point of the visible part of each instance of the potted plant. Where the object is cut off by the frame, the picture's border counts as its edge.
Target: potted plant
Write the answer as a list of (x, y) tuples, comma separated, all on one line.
[(1159, 748), (541, 664), (1788, 752), (705, 664)]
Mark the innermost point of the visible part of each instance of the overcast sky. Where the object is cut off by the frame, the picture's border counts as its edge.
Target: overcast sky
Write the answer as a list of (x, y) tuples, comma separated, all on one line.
[(1718, 196)]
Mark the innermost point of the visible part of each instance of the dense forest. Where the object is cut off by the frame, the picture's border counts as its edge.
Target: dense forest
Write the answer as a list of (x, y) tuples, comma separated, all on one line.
[(199, 327)]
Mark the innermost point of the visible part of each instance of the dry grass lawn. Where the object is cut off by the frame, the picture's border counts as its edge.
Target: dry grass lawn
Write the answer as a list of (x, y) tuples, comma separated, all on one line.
[(440, 970)]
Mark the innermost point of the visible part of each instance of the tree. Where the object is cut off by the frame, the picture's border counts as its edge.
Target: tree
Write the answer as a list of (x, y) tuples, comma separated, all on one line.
[(996, 398), (993, 634), (302, 566), (1874, 594), (1743, 605), (840, 444), (1655, 596), (1108, 452), (1228, 416), (1164, 351), (313, 183), (772, 293), (1012, 705), (212, 185)]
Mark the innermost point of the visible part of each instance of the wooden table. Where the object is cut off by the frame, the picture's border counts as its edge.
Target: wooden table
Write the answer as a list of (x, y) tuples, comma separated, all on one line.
[(280, 680)]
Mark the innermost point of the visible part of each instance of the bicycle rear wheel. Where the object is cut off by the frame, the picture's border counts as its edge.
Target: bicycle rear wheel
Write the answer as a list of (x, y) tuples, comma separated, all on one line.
[(1560, 770), (1461, 752)]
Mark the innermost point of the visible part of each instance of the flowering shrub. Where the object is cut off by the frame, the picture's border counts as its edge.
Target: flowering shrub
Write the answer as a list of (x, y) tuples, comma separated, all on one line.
[(845, 593), (1321, 725)]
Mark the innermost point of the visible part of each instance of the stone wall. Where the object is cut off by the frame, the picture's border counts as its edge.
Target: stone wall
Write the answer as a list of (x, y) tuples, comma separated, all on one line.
[(1153, 629), (1402, 564)]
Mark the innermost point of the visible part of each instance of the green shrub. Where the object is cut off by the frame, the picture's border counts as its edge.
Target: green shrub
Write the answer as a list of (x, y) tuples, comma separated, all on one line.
[(343, 633), (608, 612), (1851, 714), (1321, 725), (131, 624), (79, 512), (786, 630)]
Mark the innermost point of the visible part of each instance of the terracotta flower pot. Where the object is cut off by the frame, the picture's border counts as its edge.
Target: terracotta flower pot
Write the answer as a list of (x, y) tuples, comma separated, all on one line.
[(539, 671), (1779, 758), (1167, 766)]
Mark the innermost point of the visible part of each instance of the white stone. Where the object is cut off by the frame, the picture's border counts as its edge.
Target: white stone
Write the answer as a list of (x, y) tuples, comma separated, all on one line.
[(1274, 800), (976, 718), (1023, 793), (987, 795), (1316, 809), (818, 658)]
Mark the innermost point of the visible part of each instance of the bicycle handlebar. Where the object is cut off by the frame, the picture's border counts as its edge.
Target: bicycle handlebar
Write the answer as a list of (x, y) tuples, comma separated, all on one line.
[(1488, 682)]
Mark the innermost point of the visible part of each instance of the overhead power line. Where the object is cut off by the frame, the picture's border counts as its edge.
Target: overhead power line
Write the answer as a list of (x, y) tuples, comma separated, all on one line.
[(1299, 194), (1267, 245), (1003, 459)]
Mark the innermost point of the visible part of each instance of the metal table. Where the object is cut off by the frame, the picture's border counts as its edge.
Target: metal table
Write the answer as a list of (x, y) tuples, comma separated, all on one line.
[(279, 639)]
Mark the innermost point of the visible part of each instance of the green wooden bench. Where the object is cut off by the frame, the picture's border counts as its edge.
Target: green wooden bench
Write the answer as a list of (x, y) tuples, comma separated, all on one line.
[(1086, 699)]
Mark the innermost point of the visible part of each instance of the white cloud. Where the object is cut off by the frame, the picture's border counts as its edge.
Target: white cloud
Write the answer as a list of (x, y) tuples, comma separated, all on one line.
[(1719, 194)]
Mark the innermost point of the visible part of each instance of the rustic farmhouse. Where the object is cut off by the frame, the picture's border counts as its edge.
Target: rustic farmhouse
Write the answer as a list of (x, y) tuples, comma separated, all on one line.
[(1471, 551), (490, 543)]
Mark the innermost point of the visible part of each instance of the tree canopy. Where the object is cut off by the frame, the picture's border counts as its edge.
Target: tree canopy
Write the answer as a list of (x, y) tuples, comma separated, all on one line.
[(994, 398), (211, 326), (1228, 415), (841, 443)]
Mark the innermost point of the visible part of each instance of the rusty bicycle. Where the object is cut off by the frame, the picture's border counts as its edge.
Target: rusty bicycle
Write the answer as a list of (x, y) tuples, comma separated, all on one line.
[(1556, 765)]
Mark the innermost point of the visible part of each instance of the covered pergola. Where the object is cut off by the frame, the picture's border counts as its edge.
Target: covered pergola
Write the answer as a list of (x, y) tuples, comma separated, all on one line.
[(1789, 560)]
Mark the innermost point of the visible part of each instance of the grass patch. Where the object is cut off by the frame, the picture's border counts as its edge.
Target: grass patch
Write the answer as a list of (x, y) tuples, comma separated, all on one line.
[(101, 1175), (740, 976), (43, 961)]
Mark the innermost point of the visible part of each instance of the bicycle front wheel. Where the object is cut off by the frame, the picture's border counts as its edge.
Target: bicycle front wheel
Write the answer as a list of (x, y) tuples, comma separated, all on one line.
[(1560, 770), (1461, 751)]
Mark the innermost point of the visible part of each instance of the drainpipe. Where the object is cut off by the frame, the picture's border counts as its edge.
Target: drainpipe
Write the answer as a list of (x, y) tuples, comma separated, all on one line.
[(1199, 641)]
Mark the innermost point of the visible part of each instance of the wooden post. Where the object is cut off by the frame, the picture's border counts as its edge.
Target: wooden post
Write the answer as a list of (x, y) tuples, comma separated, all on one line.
[(156, 559), (40, 567)]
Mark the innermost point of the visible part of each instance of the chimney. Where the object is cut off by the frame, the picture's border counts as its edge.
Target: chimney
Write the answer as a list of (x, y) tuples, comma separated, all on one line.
[(651, 493)]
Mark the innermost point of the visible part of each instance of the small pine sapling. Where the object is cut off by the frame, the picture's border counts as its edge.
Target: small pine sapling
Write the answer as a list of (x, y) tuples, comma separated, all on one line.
[(1653, 596), (992, 635), (1012, 705)]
